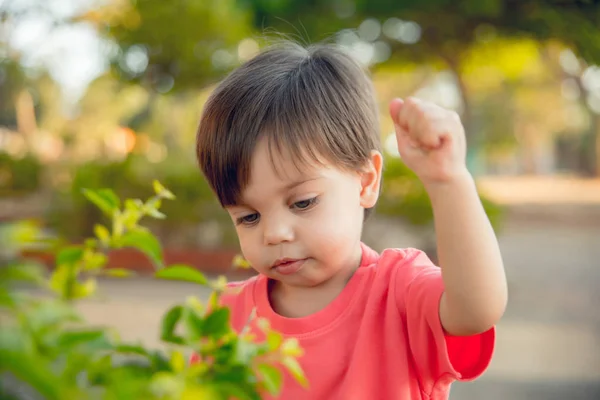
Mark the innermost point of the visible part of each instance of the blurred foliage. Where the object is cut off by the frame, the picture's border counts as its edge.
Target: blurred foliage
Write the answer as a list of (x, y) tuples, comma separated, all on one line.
[(12, 80), (47, 350), (19, 175), (491, 41), (162, 45), (73, 217), (171, 45), (447, 28), (505, 59), (403, 195)]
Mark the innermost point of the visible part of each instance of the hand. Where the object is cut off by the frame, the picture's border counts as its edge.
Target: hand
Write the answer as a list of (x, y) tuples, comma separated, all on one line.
[(431, 140)]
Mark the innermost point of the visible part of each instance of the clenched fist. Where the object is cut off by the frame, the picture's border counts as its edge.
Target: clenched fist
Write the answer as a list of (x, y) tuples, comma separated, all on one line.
[(431, 140)]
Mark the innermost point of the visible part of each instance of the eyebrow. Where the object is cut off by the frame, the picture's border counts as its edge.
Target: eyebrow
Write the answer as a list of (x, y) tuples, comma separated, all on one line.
[(286, 188), (298, 183)]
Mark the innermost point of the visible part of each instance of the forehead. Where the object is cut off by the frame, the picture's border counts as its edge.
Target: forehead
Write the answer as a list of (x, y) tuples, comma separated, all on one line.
[(277, 165)]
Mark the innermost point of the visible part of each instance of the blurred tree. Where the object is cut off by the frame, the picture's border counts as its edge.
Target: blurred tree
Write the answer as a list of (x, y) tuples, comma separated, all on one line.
[(169, 46), (164, 47), (580, 84), (442, 32), (12, 76), (12, 82), (439, 31), (444, 27)]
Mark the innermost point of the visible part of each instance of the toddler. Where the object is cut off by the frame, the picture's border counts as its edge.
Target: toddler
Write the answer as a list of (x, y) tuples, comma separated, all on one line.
[(290, 144)]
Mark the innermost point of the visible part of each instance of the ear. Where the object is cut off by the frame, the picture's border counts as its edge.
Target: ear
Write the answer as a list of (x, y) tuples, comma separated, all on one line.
[(370, 179)]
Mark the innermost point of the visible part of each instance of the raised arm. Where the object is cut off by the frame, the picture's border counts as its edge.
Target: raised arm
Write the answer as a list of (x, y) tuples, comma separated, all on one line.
[(431, 141)]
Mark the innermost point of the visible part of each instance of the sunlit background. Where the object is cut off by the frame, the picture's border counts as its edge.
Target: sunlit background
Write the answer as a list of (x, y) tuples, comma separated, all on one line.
[(109, 93)]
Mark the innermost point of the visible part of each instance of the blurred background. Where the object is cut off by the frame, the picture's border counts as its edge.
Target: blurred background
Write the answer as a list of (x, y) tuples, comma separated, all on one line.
[(108, 93)]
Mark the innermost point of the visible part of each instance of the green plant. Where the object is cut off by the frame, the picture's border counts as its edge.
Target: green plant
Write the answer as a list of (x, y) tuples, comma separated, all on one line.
[(73, 217), (48, 351)]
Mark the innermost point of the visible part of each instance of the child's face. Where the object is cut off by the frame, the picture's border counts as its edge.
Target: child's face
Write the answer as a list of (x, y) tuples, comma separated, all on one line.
[(310, 220)]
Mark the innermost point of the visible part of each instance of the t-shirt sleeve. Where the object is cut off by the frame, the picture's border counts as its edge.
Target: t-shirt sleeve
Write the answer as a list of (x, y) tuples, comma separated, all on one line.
[(438, 357)]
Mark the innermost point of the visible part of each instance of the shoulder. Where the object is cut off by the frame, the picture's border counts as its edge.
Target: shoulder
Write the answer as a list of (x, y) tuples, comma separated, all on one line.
[(409, 272), (405, 260)]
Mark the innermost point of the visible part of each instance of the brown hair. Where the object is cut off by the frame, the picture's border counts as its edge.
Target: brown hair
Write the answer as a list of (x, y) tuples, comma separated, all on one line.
[(316, 102)]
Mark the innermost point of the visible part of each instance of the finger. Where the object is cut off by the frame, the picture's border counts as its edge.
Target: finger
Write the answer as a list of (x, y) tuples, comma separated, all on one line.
[(407, 147), (395, 107), (409, 115), (430, 137), (419, 119)]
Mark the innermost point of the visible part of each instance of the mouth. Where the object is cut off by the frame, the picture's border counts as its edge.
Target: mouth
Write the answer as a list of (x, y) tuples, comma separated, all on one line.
[(287, 266)]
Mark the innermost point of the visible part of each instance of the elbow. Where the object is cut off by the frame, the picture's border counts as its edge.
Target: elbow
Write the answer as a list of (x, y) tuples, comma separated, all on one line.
[(477, 318), (486, 318), (474, 326)]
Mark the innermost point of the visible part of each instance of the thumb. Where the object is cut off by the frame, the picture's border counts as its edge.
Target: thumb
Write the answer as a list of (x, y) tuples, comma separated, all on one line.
[(395, 107)]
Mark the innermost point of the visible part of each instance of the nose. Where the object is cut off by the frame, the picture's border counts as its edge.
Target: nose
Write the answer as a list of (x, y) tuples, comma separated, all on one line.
[(277, 230)]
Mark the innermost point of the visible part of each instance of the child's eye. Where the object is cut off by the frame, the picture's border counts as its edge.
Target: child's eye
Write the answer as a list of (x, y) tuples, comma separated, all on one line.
[(305, 204), (248, 219)]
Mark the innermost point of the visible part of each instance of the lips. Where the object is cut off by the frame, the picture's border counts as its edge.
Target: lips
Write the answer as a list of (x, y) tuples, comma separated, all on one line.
[(287, 266)]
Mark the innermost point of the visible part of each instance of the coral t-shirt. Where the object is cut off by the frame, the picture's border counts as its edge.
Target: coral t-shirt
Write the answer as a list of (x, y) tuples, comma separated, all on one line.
[(381, 338)]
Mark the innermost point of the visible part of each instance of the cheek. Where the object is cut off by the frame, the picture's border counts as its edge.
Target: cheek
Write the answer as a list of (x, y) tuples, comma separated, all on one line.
[(247, 244), (337, 221)]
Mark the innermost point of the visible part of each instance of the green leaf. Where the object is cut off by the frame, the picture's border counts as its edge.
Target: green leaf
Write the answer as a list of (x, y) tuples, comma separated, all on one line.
[(69, 339), (182, 272), (145, 242), (245, 351), (60, 280), (177, 361), (94, 261), (153, 204), (51, 314), (213, 300), (272, 378), (169, 322), (105, 199), (12, 338), (70, 255), (161, 191), (156, 214), (291, 347), (240, 262), (118, 272), (193, 323), (33, 371), (134, 204), (292, 365), (102, 234), (220, 284), (238, 391), (98, 370), (22, 272), (132, 349), (160, 361), (216, 323), (21, 235), (85, 289), (274, 339), (130, 218), (6, 298), (166, 386)]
